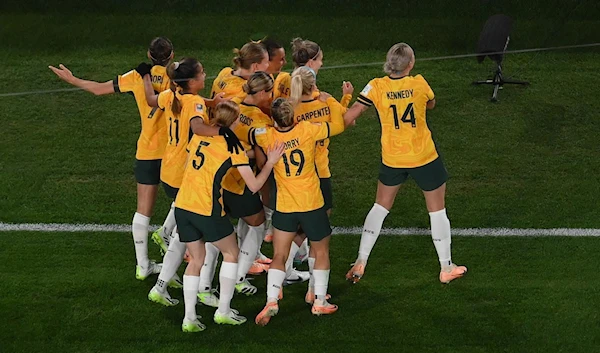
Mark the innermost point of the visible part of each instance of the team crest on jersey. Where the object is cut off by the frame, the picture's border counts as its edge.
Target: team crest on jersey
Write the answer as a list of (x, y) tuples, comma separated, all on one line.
[(366, 90), (199, 108)]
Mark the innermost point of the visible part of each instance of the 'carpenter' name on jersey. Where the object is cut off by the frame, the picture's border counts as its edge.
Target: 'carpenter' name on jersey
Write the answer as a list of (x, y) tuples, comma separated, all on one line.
[(314, 114)]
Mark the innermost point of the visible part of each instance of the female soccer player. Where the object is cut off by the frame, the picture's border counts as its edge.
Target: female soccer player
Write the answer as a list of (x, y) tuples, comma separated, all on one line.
[(299, 201), (248, 207), (229, 83), (201, 218), (185, 114), (150, 146), (407, 149), (308, 108)]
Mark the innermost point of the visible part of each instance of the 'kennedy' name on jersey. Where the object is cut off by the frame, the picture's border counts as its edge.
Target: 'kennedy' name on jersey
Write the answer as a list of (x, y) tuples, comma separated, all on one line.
[(406, 93)]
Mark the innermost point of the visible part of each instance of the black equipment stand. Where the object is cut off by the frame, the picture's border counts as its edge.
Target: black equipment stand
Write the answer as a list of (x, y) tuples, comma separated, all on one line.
[(495, 33)]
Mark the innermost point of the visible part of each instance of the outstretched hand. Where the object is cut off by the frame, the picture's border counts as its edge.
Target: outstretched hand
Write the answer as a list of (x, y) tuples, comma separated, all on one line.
[(63, 73)]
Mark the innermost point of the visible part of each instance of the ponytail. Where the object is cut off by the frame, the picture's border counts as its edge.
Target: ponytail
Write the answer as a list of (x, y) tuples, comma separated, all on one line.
[(296, 90), (172, 73), (303, 81)]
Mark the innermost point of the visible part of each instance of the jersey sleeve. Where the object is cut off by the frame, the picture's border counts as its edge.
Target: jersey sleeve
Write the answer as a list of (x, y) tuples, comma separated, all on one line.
[(317, 131), (260, 137), (163, 99), (345, 101), (428, 91), (199, 110), (368, 95), (126, 82), (239, 159)]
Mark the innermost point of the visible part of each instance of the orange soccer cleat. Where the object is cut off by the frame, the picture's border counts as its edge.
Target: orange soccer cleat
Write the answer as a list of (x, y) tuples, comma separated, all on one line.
[(452, 273), (257, 268), (322, 307), (270, 310)]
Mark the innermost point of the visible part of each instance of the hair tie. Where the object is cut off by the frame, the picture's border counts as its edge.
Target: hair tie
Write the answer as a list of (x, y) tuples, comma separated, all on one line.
[(176, 65), (317, 54), (310, 70)]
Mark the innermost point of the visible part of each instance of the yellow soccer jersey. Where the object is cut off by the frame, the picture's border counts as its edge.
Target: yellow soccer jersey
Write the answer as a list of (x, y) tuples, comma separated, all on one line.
[(251, 117), (316, 111), (179, 133), (153, 137), (201, 191), (281, 86), (297, 186), (229, 84), (401, 103)]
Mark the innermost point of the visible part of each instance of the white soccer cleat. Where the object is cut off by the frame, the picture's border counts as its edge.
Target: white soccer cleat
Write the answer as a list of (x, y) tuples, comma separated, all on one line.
[(296, 277), (142, 273)]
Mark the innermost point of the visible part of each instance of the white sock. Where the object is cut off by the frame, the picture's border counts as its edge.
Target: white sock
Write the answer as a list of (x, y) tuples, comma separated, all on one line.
[(227, 284), (321, 283), (248, 250), (169, 224), (275, 280), (440, 233), (311, 268), (171, 262), (268, 213), (208, 269), (371, 230), (290, 260), (304, 248), (241, 231), (190, 296), (139, 229)]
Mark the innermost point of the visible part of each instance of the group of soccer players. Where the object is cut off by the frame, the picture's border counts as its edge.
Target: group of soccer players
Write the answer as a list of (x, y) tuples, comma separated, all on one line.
[(257, 151)]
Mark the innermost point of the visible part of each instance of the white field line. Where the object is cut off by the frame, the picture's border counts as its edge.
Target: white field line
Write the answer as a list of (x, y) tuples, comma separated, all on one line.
[(477, 232)]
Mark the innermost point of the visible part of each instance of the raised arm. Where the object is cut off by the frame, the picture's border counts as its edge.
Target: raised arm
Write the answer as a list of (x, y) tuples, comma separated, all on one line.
[(255, 183), (336, 126), (97, 88), (347, 90), (151, 96)]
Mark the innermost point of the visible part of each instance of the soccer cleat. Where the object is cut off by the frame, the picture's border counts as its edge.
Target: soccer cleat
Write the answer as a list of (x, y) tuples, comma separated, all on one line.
[(262, 259), (270, 310), (257, 268), (175, 282), (454, 272), (322, 307), (269, 231), (142, 273), (209, 298), (231, 318), (160, 241), (309, 298), (161, 298), (296, 277), (356, 272), (192, 326), (245, 288)]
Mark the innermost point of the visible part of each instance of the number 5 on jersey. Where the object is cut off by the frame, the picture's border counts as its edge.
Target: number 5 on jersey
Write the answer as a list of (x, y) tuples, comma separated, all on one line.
[(407, 117), (197, 164)]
